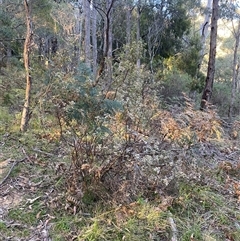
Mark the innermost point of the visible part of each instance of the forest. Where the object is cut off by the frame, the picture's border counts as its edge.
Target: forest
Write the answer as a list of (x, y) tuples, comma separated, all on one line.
[(119, 120)]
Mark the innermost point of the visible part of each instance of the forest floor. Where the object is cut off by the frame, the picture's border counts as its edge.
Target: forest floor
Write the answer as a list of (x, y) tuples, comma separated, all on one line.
[(34, 205)]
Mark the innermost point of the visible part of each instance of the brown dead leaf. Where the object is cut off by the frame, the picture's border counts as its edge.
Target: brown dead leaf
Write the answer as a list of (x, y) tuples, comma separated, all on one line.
[(85, 166), (38, 215), (226, 166), (166, 202)]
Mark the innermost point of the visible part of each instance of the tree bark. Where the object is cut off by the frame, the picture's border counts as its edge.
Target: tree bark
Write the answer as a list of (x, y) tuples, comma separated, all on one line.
[(87, 17), (138, 34), (128, 24), (78, 32), (235, 71), (26, 113), (107, 46), (204, 31), (207, 92), (94, 41)]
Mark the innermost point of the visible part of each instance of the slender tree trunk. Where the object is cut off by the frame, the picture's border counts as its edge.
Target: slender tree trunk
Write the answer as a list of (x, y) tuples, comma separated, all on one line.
[(110, 48), (128, 24), (110, 37), (138, 35), (207, 92), (107, 46), (204, 31), (78, 33), (235, 71), (87, 16), (94, 40), (26, 114)]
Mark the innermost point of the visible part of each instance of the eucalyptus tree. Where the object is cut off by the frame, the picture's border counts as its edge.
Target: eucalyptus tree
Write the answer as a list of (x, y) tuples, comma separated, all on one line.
[(235, 70), (94, 17), (224, 10), (26, 114), (204, 30), (207, 92), (105, 10), (233, 14), (87, 29)]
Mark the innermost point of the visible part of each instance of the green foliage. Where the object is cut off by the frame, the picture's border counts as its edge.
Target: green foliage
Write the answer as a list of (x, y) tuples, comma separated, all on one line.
[(188, 59), (75, 101), (222, 96), (27, 216), (179, 25), (125, 152), (184, 66), (5, 119), (172, 82), (6, 24), (194, 232), (10, 29), (87, 104), (127, 222)]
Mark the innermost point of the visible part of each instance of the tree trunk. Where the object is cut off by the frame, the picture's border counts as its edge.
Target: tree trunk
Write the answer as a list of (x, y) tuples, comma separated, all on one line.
[(26, 114), (94, 41), (109, 52), (107, 46), (128, 24), (87, 33), (138, 35), (207, 92), (110, 37), (78, 32), (204, 31), (235, 71)]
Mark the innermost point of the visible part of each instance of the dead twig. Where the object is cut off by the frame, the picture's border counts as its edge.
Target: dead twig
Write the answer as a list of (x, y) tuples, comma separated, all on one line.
[(10, 170), (27, 156), (43, 152)]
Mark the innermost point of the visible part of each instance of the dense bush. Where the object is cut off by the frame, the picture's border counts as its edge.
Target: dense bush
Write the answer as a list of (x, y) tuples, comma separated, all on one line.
[(221, 98)]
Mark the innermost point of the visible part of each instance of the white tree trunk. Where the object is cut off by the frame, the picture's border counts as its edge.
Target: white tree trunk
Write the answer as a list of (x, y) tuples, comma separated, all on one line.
[(26, 114), (87, 43), (235, 70), (204, 30)]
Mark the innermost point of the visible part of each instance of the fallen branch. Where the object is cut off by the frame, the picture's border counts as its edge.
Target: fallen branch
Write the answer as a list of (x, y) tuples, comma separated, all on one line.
[(10, 170)]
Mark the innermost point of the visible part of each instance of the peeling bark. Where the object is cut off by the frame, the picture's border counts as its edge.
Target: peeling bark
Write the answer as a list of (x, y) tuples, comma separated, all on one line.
[(26, 113)]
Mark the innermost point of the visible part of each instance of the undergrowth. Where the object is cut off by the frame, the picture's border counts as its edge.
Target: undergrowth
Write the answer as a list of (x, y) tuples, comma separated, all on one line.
[(175, 174)]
